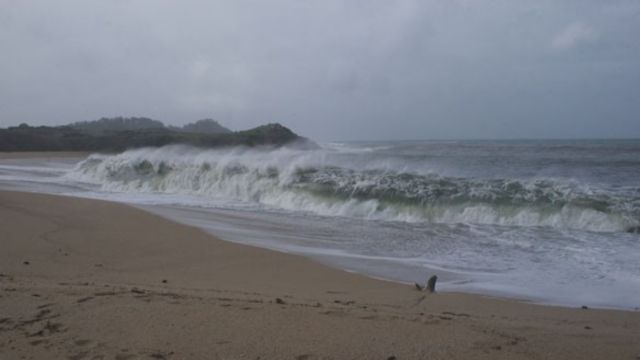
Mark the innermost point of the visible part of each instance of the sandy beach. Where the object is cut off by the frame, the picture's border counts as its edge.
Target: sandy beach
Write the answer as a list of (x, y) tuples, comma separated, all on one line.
[(87, 279)]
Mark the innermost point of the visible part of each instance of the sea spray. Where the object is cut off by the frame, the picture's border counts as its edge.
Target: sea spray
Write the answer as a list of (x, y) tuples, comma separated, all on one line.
[(326, 182)]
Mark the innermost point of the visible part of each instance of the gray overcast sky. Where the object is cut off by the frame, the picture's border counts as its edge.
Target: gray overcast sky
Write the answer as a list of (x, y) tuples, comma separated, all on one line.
[(330, 70)]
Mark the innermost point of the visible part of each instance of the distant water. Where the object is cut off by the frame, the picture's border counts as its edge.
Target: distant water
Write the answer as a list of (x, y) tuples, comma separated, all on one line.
[(549, 221)]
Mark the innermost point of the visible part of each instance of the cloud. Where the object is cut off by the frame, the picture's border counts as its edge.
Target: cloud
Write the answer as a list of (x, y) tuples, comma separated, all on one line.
[(332, 69), (573, 35)]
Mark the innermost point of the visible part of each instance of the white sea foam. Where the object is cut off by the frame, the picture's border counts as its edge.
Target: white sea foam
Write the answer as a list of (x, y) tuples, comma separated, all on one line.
[(321, 182)]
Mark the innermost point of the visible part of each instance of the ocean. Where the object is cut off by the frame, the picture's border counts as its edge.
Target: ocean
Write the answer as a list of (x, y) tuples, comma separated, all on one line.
[(553, 222)]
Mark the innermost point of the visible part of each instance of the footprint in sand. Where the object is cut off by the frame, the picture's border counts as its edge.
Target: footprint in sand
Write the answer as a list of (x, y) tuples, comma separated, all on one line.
[(48, 329), (82, 342), (78, 356), (161, 356), (124, 356), (38, 342)]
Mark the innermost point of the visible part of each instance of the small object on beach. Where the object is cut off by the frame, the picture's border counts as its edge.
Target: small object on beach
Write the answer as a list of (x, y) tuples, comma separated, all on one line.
[(431, 284), (392, 357), (280, 301), (587, 327), (585, 307), (164, 281), (26, 262)]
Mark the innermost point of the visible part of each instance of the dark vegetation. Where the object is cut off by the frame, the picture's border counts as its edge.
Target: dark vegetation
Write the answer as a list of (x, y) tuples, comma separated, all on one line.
[(204, 126), (119, 134), (117, 124)]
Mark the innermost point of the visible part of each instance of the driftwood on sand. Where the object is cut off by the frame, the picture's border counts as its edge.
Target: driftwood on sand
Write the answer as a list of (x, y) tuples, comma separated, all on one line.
[(430, 286)]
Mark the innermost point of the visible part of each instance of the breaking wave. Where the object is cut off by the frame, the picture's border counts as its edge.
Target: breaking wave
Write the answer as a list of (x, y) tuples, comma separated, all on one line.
[(324, 183)]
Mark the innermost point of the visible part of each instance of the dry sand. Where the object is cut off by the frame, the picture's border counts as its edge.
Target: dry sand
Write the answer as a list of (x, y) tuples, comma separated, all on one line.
[(86, 279)]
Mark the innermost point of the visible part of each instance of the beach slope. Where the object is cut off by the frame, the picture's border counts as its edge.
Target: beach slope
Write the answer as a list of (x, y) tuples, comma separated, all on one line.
[(87, 279)]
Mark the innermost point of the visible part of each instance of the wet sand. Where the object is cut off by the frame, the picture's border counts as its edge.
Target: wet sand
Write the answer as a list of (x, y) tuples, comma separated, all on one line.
[(88, 279)]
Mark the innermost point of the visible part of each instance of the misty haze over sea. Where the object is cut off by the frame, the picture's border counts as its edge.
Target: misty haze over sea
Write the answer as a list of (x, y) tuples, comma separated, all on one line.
[(551, 221)]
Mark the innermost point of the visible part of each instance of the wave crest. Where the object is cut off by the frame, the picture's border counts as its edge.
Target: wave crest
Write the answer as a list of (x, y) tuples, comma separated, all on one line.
[(315, 181)]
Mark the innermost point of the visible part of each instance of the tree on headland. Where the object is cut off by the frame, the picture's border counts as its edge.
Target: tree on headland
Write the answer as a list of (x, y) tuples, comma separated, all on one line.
[(205, 126), (118, 124)]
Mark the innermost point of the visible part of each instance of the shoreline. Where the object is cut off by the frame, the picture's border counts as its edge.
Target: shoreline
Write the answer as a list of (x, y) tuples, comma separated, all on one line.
[(95, 279), (395, 271)]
